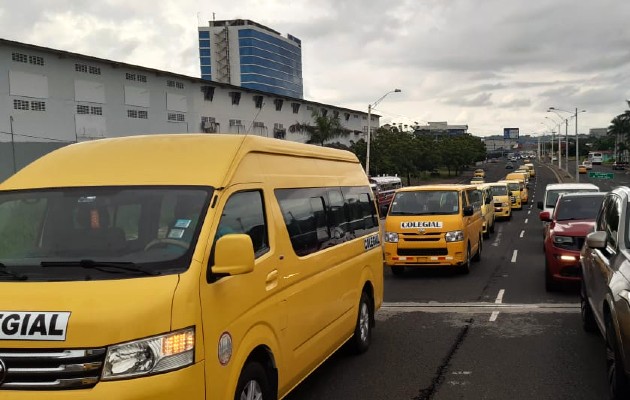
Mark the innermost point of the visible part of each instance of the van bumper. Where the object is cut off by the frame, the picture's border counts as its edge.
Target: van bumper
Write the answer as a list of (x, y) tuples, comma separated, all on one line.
[(455, 255), (186, 383)]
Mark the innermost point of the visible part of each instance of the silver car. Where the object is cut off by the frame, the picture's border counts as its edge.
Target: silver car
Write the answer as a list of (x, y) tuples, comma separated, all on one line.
[(605, 292)]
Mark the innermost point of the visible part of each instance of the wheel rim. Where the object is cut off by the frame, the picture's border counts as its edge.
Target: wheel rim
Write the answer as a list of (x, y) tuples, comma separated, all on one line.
[(364, 322), (252, 391)]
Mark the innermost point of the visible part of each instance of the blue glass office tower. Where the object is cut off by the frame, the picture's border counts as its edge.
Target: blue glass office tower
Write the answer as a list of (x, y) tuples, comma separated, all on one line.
[(245, 53)]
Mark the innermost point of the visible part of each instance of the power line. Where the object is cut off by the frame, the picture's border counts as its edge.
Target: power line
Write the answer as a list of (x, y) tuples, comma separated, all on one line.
[(37, 137)]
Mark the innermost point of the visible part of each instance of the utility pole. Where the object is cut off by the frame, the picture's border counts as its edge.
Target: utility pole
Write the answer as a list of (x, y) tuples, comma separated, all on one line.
[(13, 144)]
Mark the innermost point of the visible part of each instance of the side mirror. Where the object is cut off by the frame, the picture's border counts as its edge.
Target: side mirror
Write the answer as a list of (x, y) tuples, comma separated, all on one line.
[(233, 255), (544, 216), (596, 240), (540, 205), (468, 211)]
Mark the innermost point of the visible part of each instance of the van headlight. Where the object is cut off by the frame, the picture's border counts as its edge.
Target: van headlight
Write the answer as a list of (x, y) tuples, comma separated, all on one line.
[(454, 236), (563, 240), (149, 356), (391, 237)]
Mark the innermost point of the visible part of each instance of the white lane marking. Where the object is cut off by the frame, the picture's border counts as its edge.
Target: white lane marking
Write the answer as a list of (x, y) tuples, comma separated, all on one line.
[(514, 256), (498, 238), (493, 316), (529, 212), (499, 299), (526, 219), (522, 233)]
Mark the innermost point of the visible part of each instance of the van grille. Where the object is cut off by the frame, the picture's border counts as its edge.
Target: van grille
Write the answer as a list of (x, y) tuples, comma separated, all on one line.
[(40, 369), (422, 252)]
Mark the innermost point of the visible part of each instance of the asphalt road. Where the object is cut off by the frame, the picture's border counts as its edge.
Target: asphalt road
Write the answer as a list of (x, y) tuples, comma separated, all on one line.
[(493, 334)]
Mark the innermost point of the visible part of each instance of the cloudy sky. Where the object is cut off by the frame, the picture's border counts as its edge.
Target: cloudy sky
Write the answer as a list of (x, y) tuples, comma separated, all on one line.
[(489, 64)]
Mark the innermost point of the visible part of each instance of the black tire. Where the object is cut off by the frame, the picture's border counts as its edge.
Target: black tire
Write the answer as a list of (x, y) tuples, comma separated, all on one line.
[(464, 268), (362, 338), (588, 319), (617, 379), (486, 234), (509, 217), (253, 378), (477, 256), (398, 271), (550, 284), (492, 226)]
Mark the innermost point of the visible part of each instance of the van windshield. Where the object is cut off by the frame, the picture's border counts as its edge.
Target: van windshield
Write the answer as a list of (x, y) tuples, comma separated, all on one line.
[(99, 232), (499, 190), (552, 195), (426, 202), (514, 187)]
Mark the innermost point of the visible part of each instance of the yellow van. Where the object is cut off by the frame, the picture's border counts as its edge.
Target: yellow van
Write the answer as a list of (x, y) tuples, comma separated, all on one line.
[(434, 225), (532, 170), (522, 178), (515, 197), (183, 267), (502, 202), (487, 209)]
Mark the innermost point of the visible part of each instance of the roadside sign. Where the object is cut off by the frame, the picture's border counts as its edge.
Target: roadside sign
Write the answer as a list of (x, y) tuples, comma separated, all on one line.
[(601, 175)]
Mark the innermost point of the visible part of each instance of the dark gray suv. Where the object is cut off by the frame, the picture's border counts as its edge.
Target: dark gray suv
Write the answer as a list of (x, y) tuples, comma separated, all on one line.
[(605, 293)]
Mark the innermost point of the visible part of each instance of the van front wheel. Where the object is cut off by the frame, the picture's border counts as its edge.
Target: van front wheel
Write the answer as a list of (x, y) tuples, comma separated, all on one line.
[(360, 341), (253, 383)]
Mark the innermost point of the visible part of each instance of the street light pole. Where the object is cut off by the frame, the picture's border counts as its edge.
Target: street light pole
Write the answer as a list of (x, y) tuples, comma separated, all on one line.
[(577, 152), (369, 129)]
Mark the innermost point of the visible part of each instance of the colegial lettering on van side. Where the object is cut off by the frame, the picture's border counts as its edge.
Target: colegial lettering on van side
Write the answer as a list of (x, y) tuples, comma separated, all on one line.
[(18, 325), (420, 224)]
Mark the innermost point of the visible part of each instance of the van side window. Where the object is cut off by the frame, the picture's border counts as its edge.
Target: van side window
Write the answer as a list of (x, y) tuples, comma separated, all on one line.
[(244, 213), (318, 218), (612, 225)]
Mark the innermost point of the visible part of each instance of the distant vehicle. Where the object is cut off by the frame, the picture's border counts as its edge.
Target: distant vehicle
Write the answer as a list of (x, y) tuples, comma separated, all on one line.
[(479, 173), (605, 289), (588, 164), (582, 169), (595, 157), (569, 222), (476, 180), (620, 165), (502, 202), (509, 166), (554, 158), (384, 188)]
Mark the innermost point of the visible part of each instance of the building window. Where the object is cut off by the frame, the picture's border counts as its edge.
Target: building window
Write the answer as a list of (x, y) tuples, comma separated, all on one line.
[(309, 108), (364, 118), (346, 116), (132, 113), (175, 84), (324, 112), (176, 117), (81, 68), (258, 124), (336, 114), (20, 104), (208, 92), (296, 107), (235, 122), (356, 116), (236, 97), (143, 114), (19, 57), (130, 77), (365, 129), (278, 103), (83, 109), (258, 101), (96, 110), (38, 105), (36, 60), (95, 70), (141, 78)]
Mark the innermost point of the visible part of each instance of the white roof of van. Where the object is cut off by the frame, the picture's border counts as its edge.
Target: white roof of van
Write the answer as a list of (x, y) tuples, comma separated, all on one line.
[(553, 186)]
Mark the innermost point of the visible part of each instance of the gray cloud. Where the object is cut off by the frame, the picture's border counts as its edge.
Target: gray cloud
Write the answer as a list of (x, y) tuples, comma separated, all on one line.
[(483, 99)]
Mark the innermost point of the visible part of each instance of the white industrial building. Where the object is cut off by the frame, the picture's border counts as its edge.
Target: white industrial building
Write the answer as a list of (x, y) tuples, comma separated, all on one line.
[(52, 98)]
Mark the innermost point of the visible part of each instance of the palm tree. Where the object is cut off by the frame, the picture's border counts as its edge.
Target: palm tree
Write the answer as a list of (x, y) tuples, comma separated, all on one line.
[(325, 128), (620, 129)]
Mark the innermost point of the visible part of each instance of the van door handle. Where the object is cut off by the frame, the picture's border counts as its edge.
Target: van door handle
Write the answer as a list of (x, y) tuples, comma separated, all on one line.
[(272, 280)]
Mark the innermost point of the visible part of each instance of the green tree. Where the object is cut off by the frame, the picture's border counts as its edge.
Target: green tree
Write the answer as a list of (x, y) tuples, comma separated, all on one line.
[(325, 128), (620, 129)]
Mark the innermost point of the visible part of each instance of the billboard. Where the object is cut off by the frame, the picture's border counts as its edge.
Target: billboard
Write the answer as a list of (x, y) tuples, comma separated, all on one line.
[(510, 133)]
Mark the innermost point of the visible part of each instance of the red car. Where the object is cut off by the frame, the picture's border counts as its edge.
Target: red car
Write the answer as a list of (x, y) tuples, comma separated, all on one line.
[(572, 219)]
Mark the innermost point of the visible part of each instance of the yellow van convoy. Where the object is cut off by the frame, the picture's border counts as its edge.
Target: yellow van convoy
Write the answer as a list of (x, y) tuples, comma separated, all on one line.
[(521, 177), (487, 209), (514, 187), (436, 225), (502, 202), (532, 170), (183, 267)]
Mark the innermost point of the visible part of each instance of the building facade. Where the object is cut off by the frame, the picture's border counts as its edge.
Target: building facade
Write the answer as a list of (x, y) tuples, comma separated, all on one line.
[(440, 129), (244, 53), (52, 98)]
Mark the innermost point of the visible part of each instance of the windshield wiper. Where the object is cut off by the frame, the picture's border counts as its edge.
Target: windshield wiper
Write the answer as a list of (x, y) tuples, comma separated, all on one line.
[(14, 275), (104, 266)]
